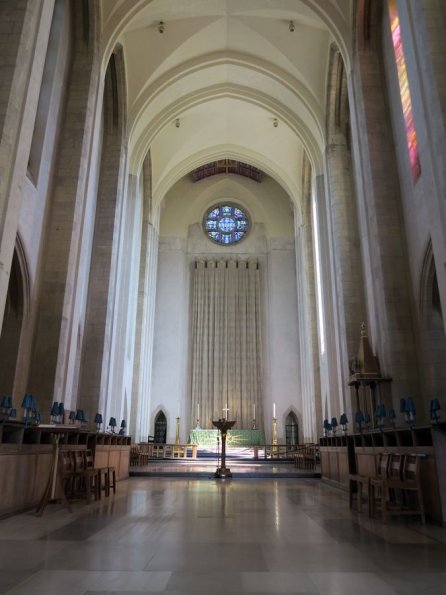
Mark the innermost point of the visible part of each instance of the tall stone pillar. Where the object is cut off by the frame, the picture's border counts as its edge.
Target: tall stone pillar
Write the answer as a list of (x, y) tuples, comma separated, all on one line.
[(63, 271), (145, 317), (332, 386), (310, 384), (425, 22), (102, 279), (348, 277), (24, 31), (383, 242)]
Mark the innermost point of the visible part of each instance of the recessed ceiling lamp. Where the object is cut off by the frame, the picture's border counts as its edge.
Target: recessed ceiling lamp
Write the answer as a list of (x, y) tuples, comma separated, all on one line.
[(161, 27), (291, 26)]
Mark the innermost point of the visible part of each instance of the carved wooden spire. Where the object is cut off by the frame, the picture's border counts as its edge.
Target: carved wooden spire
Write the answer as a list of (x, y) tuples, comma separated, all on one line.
[(367, 362)]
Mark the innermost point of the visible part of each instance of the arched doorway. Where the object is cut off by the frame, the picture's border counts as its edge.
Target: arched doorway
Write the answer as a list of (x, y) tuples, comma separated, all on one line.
[(291, 430), (12, 328), (160, 428)]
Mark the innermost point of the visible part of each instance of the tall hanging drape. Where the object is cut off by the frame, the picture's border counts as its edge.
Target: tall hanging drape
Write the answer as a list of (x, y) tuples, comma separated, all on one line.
[(226, 342)]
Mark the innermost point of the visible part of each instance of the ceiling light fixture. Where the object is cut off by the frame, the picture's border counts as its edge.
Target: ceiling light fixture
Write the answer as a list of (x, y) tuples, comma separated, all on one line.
[(291, 26), (161, 27)]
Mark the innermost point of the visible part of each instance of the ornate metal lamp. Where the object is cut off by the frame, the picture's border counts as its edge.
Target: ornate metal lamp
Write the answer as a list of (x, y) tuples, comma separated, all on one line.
[(343, 422), (380, 415), (54, 413), (392, 416), (61, 413), (98, 421), (223, 425), (327, 427), (434, 409), (6, 407), (359, 419)]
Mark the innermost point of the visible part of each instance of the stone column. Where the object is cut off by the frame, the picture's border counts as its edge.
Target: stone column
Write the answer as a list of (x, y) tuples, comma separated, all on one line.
[(145, 317), (310, 385), (383, 241), (24, 31), (63, 268), (332, 388), (122, 315), (102, 278), (348, 275), (425, 22)]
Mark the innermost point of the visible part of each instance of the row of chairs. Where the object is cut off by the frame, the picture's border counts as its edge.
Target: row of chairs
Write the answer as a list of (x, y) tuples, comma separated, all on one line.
[(395, 489), (138, 458), (305, 457), (81, 479)]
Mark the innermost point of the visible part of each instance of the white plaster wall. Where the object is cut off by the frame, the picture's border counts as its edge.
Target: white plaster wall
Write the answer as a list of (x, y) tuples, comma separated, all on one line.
[(283, 339), (170, 337), (182, 240)]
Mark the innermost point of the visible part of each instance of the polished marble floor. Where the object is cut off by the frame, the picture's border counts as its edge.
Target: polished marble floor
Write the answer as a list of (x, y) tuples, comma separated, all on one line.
[(184, 536), (205, 468)]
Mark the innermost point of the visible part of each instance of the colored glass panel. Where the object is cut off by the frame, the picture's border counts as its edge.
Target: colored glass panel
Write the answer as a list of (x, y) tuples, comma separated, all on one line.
[(226, 224), (403, 81)]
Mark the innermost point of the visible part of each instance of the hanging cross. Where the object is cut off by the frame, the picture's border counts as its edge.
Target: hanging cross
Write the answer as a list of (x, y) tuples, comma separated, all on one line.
[(227, 411)]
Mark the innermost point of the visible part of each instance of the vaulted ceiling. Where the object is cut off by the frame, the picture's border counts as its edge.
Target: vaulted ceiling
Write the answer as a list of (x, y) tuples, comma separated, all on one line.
[(237, 79)]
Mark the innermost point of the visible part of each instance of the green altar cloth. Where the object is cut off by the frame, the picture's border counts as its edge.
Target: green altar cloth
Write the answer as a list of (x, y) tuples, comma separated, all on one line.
[(234, 438)]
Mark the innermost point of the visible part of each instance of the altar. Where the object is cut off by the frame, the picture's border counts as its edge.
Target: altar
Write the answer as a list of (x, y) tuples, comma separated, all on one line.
[(234, 438)]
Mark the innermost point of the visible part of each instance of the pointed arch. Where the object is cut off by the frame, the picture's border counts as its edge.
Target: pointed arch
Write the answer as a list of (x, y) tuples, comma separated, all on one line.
[(291, 427), (160, 427), (433, 336), (16, 311)]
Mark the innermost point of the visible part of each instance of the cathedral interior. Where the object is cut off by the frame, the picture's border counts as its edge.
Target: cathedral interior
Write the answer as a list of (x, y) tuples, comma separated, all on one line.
[(221, 210)]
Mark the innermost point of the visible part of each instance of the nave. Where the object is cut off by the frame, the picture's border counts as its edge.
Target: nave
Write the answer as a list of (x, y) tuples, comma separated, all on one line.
[(182, 536)]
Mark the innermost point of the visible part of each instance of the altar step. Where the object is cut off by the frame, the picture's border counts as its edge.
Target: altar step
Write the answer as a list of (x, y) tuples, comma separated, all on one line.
[(204, 468), (236, 453)]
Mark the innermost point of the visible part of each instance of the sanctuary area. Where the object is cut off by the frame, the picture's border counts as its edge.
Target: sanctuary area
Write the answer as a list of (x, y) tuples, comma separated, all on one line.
[(221, 210)]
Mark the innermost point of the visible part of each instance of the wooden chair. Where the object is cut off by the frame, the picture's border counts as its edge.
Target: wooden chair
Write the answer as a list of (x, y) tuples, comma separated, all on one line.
[(403, 491), (67, 472), (106, 476), (377, 484), (305, 457), (359, 485), (87, 477), (93, 474), (109, 483)]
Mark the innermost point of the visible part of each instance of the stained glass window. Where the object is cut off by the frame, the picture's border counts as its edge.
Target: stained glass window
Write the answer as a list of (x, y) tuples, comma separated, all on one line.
[(406, 100), (226, 224)]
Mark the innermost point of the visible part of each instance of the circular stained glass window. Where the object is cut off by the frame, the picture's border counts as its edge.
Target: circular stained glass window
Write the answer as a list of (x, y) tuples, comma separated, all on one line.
[(226, 224)]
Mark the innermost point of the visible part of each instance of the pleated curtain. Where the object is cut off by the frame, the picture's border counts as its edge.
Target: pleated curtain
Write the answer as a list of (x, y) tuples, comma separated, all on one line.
[(226, 342)]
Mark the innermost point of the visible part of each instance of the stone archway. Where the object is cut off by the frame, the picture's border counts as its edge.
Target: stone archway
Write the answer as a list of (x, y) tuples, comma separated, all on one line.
[(291, 429), (12, 327), (160, 433)]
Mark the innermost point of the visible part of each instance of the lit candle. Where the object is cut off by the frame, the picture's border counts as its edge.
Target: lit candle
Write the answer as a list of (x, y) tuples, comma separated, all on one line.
[(274, 410)]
